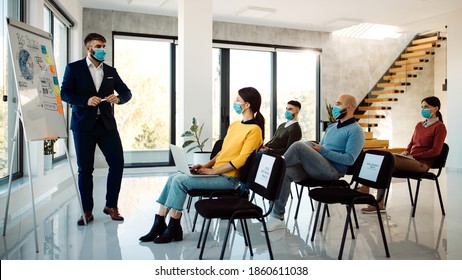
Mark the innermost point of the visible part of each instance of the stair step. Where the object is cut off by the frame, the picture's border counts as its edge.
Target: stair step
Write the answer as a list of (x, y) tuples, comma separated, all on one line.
[(417, 54), (399, 77), (373, 100), (373, 108), (369, 116), (411, 61), (376, 143), (384, 85), (428, 40), (423, 47), (405, 69), (368, 124), (368, 135), (387, 91)]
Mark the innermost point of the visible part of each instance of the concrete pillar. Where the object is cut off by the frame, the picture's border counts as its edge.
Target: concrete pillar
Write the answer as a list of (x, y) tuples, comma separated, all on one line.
[(194, 66)]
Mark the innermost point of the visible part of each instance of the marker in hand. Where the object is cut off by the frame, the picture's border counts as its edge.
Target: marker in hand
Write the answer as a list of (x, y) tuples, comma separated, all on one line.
[(104, 99)]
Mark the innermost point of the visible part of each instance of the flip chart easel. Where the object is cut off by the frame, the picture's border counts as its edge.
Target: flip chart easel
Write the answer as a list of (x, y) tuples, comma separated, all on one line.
[(40, 108)]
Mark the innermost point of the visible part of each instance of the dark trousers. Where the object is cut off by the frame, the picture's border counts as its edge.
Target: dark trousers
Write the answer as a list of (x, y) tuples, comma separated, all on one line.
[(110, 144)]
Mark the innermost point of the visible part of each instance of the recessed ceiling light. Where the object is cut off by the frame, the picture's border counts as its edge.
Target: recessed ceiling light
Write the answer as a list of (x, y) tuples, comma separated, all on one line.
[(256, 12)]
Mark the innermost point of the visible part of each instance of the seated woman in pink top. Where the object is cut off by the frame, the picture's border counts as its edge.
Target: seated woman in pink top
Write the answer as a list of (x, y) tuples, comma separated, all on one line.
[(426, 144)]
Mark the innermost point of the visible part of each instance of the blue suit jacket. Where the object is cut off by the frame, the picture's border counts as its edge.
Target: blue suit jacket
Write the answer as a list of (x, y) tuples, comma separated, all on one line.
[(77, 87)]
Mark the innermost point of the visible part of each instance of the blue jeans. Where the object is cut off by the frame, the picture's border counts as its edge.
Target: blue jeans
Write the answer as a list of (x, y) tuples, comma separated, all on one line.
[(302, 162), (175, 190)]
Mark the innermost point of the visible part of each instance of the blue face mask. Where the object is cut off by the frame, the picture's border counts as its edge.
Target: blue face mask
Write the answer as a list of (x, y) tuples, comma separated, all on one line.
[(289, 115), (338, 112), (237, 107), (426, 113), (99, 54)]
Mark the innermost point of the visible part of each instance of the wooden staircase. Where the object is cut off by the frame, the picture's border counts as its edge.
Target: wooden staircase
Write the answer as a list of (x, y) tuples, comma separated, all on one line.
[(394, 82)]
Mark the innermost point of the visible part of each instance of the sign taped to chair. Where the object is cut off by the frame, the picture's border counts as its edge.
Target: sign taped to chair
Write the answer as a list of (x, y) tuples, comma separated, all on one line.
[(371, 167), (264, 170)]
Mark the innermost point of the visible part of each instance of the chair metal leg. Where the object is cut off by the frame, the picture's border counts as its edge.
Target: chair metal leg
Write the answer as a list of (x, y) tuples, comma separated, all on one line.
[(379, 216), (351, 224), (205, 238), (439, 196), (345, 229), (298, 203), (194, 221), (410, 191), (356, 218), (201, 234), (246, 229), (324, 212), (188, 206), (268, 243), (225, 240), (415, 197), (316, 221), (244, 233)]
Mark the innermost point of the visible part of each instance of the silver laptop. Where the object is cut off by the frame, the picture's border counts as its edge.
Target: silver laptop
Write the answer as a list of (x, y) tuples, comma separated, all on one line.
[(181, 164)]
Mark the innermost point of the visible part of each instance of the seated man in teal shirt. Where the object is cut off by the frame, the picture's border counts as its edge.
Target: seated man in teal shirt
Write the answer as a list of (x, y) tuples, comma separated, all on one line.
[(287, 133), (329, 160)]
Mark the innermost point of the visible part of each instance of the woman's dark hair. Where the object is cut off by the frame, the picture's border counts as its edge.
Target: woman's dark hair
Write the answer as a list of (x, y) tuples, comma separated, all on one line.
[(253, 97), (435, 102)]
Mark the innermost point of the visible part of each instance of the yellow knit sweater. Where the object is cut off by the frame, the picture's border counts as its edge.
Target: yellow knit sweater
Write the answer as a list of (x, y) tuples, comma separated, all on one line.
[(240, 141)]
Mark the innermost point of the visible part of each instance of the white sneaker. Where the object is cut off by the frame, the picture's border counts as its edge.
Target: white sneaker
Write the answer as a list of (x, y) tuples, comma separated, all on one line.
[(274, 224)]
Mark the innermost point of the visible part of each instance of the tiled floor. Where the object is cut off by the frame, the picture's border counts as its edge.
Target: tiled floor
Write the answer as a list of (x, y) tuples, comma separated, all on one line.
[(428, 236)]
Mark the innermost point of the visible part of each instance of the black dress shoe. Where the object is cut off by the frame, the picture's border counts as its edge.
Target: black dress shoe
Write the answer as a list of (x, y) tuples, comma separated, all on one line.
[(88, 217)]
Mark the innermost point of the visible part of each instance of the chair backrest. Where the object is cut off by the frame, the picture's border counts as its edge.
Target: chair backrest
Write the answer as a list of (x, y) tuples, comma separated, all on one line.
[(245, 170), (440, 161), (216, 148), (267, 173), (374, 169), (352, 168)]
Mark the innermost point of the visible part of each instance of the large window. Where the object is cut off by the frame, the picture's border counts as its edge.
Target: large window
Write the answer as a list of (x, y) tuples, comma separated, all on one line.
[(56, 24), (251, 69), (147, 66), (12, 9), (278, 74), (144, 64), (297, 80)]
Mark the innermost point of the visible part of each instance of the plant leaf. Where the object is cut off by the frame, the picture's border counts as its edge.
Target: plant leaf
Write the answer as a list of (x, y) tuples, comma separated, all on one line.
[(190, 149), (187, 143), (187, 134)]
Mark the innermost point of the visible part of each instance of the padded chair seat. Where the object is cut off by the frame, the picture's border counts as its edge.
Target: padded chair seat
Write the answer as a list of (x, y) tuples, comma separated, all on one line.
[(414, 176), (341, 195), (322, 183), (208, 208)]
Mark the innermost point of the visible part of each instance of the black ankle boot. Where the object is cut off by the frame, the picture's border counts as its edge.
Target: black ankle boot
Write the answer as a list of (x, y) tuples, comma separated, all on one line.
[(157, 229), (173, 232)]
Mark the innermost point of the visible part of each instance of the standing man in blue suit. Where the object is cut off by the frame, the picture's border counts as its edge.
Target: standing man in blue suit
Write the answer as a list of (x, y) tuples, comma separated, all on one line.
[(89, 85)]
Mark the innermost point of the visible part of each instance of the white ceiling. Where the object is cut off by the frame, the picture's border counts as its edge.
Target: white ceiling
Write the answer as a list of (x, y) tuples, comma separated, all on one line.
[(318, 15)]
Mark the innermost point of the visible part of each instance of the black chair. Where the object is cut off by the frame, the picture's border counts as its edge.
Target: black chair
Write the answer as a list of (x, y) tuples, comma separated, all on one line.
[(438, 164), (374, 169), (311, 183), (216, 148), (241, 190), (265, 180)]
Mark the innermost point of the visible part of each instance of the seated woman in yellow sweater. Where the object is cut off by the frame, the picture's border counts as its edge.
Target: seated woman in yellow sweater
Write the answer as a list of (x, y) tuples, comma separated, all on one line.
[(243, 138)]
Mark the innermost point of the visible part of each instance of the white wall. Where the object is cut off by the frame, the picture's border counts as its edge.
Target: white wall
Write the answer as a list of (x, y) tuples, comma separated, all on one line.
[(454, 93)]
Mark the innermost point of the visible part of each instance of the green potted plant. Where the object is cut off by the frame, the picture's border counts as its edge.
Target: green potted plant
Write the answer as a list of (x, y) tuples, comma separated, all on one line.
[(194, 141), (48, 151)]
